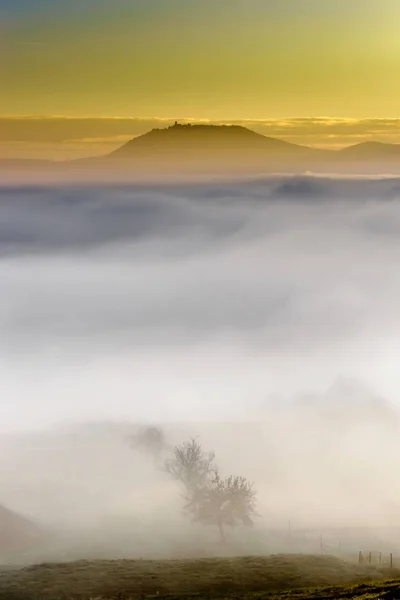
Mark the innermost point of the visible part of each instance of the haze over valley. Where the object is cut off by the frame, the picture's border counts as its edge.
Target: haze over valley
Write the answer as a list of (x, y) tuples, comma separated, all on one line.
[(260, 316), (199, 315)]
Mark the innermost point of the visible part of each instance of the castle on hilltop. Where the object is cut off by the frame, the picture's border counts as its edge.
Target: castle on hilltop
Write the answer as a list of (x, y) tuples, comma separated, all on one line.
[(204, 127), (176, 124)]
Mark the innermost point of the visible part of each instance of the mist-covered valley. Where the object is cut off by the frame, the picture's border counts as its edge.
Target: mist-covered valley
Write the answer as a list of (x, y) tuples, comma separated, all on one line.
[(261, 316)]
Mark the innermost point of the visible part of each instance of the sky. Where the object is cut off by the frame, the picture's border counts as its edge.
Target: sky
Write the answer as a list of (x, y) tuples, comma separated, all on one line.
[(259, 60)]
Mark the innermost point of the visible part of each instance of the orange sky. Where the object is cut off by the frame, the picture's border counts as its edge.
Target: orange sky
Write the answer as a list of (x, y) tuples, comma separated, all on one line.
[(263, 62)]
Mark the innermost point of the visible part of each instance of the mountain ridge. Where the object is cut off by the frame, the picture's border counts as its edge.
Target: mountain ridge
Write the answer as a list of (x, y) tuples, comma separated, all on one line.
[(178, 137), (227, 143), (201, 148)]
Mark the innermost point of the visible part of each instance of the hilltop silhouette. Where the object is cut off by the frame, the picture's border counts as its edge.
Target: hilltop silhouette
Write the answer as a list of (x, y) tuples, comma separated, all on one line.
[(211, 148), (208, 138), (222, 149), (371, 151), (233, 146), (212, 145)]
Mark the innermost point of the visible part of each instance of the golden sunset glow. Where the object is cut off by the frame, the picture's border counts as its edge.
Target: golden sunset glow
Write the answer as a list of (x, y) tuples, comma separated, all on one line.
[(231, 60)]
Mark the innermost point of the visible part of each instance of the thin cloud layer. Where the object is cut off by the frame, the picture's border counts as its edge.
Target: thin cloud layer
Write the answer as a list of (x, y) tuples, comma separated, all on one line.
[(194, 301)]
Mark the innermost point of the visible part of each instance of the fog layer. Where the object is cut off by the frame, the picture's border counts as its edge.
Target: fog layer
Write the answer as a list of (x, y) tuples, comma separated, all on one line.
[(269, 306)]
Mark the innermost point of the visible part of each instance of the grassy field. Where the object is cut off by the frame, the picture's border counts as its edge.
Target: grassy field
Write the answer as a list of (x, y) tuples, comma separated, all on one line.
[(280, 576)]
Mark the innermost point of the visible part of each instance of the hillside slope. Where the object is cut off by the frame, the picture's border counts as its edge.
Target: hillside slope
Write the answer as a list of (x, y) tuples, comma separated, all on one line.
[(212, 148), (205, 138), (220, 577), (371, 150), (16, 532)]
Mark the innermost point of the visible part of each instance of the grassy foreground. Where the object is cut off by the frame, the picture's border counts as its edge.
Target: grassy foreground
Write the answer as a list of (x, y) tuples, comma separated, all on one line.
[(280, 576)]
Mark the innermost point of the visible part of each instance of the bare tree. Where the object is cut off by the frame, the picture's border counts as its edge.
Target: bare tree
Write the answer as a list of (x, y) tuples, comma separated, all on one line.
[(210, 499), (224, 502), (190, 466)]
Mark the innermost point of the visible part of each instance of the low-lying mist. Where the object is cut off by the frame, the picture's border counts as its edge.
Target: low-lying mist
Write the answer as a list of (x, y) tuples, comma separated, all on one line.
[(261, 316)]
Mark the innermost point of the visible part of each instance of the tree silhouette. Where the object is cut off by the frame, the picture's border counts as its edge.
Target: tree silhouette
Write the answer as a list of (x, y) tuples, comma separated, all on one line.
[(224, 502), (209, 498), (150, 440), (190, 466)]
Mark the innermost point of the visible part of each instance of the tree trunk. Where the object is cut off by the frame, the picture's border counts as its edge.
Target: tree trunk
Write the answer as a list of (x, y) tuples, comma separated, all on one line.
[(221, 531)]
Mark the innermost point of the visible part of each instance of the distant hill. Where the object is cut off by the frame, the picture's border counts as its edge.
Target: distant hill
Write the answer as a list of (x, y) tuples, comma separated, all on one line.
[(233, 149), (371, 151), (205, 138), (212, 147), (17, 533)]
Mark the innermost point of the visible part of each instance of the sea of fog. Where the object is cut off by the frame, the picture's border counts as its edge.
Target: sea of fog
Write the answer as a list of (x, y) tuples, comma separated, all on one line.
[(262, 316)]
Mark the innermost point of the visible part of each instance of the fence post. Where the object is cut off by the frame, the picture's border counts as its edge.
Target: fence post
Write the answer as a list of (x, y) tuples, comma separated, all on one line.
[(360, 558), (380, 558), (391, 560), (369, 558)]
